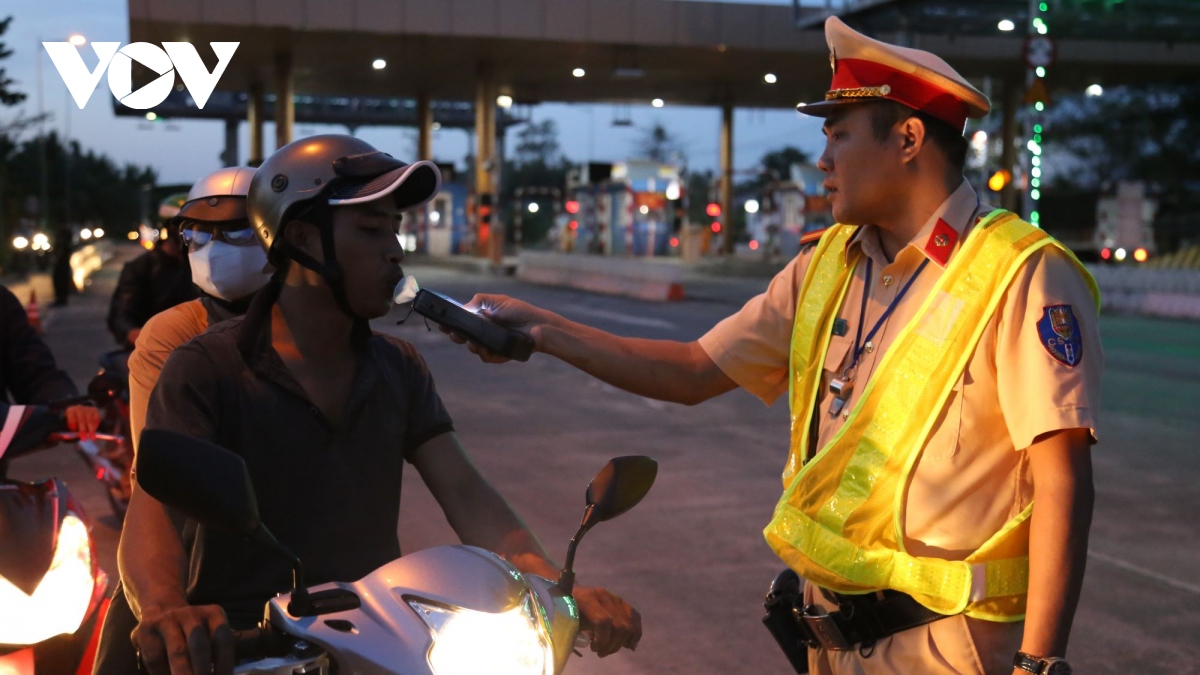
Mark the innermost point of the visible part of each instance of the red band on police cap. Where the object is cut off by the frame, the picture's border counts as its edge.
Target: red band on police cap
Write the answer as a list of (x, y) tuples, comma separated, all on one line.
[(906, 88)]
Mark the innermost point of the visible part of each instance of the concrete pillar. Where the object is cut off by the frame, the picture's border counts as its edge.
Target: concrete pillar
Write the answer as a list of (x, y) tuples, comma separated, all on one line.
[(1008, 150), (285, 94), (254, 116), (727, 176), (424, 126), (230, 156), (490, 232)]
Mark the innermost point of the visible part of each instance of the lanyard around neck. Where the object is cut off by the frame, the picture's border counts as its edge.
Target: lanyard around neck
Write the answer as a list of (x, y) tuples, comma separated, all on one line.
[(859, 342)]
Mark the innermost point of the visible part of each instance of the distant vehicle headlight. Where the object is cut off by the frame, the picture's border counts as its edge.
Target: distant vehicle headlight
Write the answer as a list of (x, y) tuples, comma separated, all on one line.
[(60, 602), (466, 642), (20, 243)]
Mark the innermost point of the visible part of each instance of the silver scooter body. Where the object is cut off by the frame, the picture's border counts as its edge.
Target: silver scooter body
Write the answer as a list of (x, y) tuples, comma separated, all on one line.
[(386, 634)]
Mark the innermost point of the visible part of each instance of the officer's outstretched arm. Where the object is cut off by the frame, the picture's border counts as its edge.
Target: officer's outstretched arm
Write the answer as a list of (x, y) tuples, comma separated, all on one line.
[(1063, 493), (667, 370)]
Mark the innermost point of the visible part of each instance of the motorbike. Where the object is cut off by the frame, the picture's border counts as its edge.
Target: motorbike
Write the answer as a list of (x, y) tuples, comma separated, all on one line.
[(448, 610), (111, 460), (53, 594)]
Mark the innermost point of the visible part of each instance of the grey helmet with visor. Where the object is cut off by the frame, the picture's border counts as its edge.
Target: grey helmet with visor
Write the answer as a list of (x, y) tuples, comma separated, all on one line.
[(334, 170)]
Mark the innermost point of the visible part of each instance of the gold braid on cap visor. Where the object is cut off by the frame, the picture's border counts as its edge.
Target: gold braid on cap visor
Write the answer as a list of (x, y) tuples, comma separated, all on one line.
[(860, 92)]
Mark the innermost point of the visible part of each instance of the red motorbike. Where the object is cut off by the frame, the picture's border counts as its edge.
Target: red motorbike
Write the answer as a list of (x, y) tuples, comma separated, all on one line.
[(53, 594)]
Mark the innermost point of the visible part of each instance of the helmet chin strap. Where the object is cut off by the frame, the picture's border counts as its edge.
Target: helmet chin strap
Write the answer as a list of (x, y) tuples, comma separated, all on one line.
[(330, 270)]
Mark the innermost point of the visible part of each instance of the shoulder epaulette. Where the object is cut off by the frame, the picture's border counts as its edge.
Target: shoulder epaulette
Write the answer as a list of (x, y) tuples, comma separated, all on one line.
[(812, 237)]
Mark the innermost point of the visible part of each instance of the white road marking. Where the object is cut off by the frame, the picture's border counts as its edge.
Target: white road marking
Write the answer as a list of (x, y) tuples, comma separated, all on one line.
[(621, 317), (1143, 572)]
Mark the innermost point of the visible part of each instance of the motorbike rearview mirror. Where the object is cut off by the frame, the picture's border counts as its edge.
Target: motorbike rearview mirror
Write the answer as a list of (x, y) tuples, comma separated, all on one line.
[(619, 486), (203, 481)]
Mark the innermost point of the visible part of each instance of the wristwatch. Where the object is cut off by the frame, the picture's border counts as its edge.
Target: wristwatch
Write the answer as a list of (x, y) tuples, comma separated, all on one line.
[(1052, 665)]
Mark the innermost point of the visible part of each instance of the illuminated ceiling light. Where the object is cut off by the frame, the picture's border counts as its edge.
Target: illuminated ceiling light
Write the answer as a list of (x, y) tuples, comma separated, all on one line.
[(1006, 25), (657, 103), (1095, 90), (77, 40), (579, 72), (770, 78), (151, 116), (379, 64), (504, 101)]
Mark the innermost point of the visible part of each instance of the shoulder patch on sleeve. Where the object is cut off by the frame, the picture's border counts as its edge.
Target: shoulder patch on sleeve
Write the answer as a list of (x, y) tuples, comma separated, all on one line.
[(1058, 331)]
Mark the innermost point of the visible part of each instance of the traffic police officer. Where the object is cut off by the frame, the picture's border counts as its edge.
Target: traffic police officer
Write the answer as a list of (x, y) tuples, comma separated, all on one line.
[(942, 363)]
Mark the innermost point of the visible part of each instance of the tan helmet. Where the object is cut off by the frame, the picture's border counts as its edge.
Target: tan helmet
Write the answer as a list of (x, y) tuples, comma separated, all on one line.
[(218, 197), (338, 168)]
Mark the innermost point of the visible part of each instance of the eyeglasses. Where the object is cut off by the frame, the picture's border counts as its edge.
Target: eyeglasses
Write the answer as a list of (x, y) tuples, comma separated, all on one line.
[(196, 237)]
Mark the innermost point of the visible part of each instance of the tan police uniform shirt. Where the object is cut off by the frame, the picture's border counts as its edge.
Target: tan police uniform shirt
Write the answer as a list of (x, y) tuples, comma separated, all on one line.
[(159, 337), (973, 474)]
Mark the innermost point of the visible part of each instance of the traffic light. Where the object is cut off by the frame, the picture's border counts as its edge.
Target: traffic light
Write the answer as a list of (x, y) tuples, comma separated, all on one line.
[(999, 179)]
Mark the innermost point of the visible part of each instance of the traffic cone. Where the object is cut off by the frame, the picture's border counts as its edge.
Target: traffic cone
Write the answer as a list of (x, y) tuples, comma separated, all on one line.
[(32, 313)]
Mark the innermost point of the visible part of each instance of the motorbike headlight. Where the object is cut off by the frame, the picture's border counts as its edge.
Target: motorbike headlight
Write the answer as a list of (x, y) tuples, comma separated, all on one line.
[(60, 602), (466, 642)]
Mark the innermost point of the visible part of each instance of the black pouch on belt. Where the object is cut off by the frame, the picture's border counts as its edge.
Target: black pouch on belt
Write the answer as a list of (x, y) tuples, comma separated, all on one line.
[(784, 599)]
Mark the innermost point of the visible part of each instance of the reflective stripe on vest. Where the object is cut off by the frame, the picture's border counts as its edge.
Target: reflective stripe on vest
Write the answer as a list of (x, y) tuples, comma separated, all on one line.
[(839, 523)]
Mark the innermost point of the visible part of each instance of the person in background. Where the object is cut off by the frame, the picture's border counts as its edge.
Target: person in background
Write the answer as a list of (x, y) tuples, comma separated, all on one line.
[(28, 372), (153, 282)]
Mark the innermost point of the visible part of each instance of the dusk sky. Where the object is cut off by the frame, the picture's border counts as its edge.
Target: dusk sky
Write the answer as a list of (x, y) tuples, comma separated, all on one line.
[(193, 147)]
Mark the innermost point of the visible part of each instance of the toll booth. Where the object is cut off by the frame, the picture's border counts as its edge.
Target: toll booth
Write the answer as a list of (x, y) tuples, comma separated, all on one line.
[(440, 228), (627, 212), (790, 209)]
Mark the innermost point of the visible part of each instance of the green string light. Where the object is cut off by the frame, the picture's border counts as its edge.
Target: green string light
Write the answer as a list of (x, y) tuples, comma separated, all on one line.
[(1039, 106), (1041, 72), (1034, 217), (1037, 128), (1035, 183), (1044, 7)]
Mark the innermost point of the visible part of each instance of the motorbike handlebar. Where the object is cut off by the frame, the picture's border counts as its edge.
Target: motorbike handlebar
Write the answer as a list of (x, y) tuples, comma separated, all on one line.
[(73, 437)]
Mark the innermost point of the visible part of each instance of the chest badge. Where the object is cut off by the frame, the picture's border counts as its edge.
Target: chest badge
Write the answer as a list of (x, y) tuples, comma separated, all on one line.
[(1058, 331)]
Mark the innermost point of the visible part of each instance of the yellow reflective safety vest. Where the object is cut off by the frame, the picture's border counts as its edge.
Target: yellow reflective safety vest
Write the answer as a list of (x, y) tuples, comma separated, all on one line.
[(840, 521)]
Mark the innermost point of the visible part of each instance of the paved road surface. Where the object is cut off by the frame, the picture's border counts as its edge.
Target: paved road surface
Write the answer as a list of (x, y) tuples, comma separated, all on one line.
[(691, 557)]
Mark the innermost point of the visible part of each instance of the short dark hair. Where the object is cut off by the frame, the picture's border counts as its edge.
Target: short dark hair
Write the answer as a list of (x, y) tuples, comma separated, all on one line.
[(887, 114)]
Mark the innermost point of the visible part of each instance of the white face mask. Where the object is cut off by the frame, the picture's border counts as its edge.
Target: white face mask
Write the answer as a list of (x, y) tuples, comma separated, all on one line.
[(229, 272)]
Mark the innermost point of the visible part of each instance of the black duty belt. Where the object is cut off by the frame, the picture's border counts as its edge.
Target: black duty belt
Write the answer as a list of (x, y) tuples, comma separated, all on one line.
[(859, 622)]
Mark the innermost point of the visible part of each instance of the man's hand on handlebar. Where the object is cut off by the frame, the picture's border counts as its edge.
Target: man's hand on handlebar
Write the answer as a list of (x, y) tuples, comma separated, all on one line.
[(610, 622), (83, 420), (185, 641)]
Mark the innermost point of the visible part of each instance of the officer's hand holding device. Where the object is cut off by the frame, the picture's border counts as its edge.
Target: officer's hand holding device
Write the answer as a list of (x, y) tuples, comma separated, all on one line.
[(473, 326)]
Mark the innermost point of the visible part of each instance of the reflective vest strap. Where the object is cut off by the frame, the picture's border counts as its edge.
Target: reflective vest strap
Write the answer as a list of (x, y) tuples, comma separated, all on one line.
[(841, 526), (815, 310)]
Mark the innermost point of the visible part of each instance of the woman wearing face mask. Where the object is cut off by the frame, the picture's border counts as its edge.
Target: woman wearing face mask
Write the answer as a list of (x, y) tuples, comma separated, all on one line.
[(227, 265)]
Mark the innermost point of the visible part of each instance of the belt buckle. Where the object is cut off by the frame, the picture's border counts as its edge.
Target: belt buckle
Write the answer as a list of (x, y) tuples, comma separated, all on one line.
[(824, 629)]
